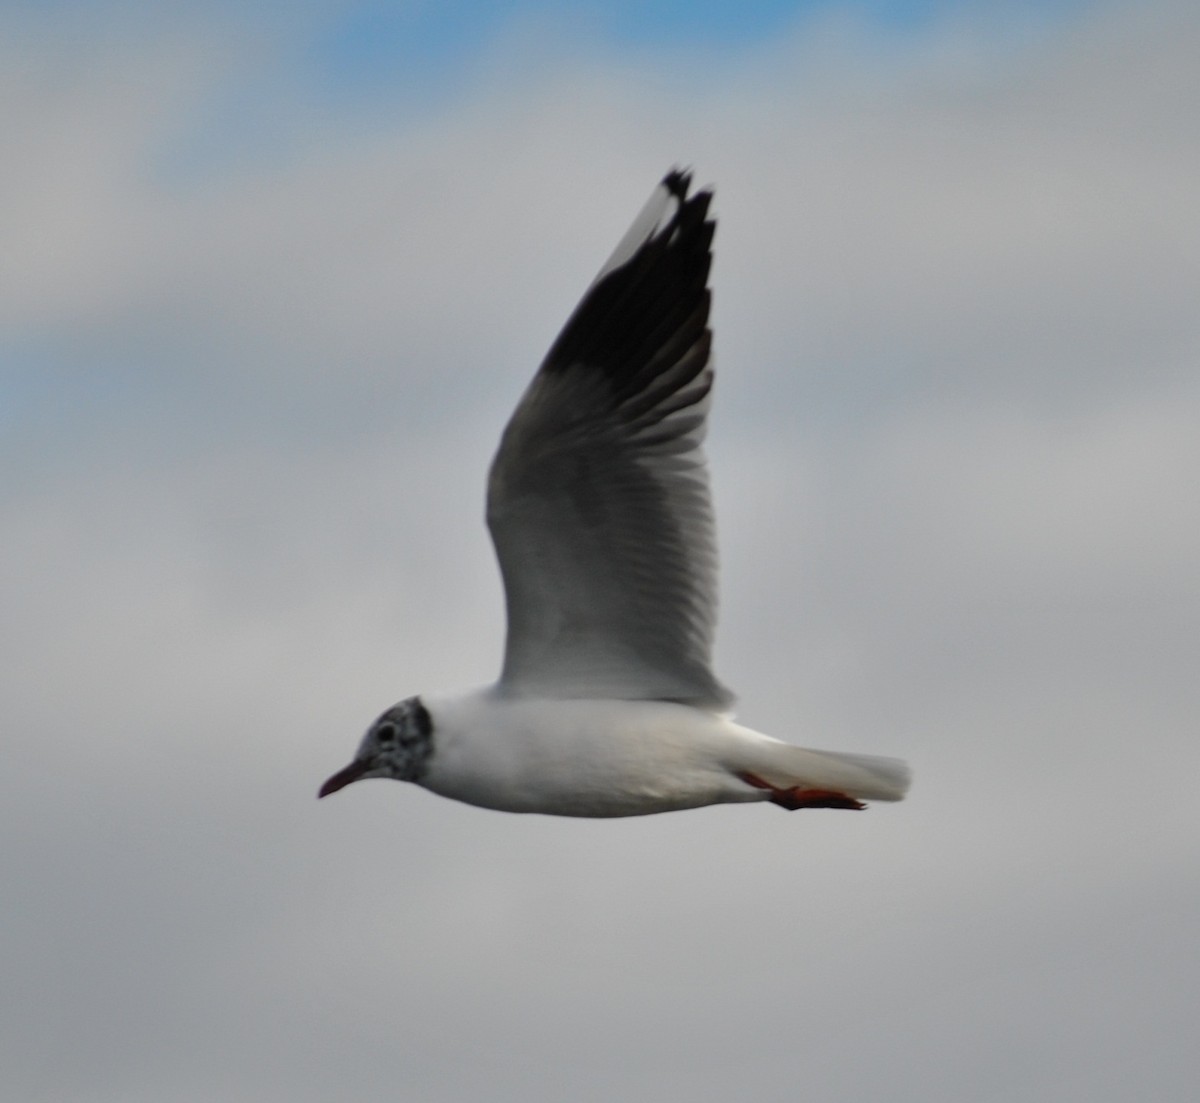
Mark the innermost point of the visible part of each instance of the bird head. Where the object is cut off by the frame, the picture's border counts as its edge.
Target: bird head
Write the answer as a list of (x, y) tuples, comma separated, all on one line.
[(397, 745)]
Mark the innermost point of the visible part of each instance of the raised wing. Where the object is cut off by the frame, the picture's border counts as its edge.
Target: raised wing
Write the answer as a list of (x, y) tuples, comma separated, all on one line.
[(598, 499)]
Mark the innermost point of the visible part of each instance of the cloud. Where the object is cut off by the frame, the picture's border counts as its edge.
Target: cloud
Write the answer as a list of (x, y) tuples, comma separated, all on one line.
[(256, 364)]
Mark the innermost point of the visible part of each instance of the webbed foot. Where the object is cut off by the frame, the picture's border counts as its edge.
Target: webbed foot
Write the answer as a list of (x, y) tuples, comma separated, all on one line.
[(797, 797)]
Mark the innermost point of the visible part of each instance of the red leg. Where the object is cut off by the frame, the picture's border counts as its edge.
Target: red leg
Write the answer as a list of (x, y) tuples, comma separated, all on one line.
[(795, 798)]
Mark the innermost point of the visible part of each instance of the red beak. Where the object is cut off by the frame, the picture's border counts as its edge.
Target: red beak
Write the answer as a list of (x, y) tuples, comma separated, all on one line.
[(343, 778)]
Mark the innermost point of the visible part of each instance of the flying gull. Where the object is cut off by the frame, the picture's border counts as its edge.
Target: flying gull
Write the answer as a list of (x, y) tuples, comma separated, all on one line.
[(599, 509)]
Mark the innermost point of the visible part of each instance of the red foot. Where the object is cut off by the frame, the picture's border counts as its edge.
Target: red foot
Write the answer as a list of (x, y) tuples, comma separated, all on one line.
[(794, 798)]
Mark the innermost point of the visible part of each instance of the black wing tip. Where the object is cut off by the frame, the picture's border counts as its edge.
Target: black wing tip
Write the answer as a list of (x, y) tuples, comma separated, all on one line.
[(657, 294), (678, 182), (691, 226)]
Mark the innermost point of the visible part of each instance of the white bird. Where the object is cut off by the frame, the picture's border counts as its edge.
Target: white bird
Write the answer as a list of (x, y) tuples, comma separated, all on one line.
[(598, 505)]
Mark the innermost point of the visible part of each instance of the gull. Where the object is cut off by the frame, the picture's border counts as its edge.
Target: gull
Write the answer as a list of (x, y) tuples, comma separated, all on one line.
[(599, 508)]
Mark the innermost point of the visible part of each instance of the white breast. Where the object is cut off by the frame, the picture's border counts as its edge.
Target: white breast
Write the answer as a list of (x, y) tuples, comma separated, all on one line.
[(582, 757)]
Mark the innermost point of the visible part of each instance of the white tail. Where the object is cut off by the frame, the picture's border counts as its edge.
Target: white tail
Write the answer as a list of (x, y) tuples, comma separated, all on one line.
[(862, 776)]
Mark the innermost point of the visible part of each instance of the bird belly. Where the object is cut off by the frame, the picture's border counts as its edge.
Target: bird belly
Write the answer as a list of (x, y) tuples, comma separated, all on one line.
[(582, 758)]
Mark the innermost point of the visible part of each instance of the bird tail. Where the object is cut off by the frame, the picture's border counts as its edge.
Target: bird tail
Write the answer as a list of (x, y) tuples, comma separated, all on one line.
[(857, 776)]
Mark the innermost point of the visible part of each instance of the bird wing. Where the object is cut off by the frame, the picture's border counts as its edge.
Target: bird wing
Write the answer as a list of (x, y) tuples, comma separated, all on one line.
[(598, 498)]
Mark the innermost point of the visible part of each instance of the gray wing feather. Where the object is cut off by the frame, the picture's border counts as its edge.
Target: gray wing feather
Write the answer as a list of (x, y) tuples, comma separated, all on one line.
[(598, 499)]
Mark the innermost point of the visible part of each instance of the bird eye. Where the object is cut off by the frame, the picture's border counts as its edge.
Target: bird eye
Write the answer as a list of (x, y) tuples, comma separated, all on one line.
[(385, 733)]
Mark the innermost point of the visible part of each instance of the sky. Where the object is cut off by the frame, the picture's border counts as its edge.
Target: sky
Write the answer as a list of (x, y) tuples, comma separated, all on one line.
[(271, 281)]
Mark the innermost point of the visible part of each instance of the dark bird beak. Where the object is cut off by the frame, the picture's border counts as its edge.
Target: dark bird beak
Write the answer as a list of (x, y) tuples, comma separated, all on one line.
[(343, 778)]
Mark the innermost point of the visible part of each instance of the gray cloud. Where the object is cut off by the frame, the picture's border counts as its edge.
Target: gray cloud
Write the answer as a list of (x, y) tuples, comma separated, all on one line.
[(248, 415)]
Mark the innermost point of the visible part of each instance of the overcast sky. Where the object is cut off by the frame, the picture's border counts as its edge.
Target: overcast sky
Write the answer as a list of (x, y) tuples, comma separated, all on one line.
[(272, 278)]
